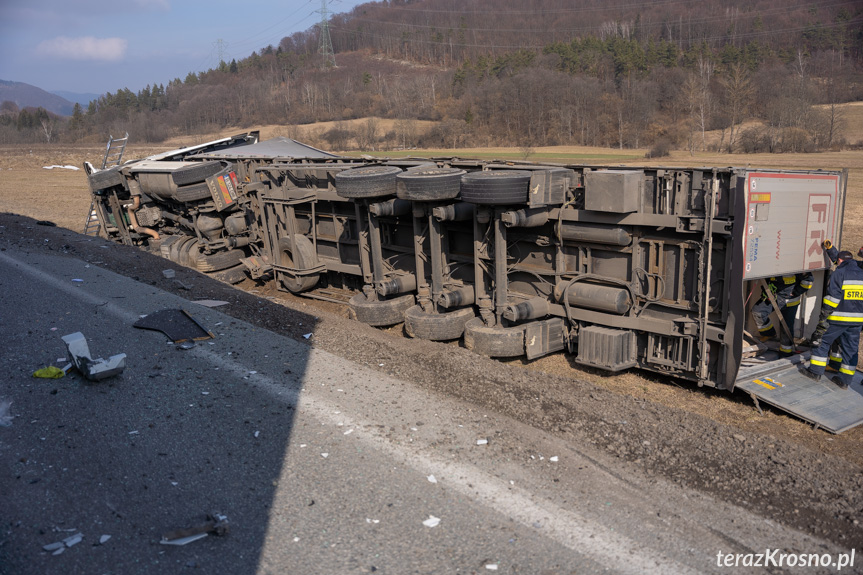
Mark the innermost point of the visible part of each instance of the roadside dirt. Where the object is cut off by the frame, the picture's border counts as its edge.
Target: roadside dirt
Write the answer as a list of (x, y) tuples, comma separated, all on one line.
[(710, 440)]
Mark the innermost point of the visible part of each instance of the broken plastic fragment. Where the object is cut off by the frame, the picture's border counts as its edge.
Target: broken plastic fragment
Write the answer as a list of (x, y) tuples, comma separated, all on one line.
[(210, 303), (325, 455), (54, 546), (432, 479), (169, 274), (5, 417), (216, 523), (491, 567), (92, 369), (73, 539), (553, 458), (49, 372), (432, 521), (104, 539), (481, 441), (307, 336), (78, 280)]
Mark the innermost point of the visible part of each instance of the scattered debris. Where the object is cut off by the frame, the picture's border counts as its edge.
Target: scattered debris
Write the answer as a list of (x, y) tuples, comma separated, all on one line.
[(104, 539), (183, 285), (5, 416), (325, 455), (216, 523), (66, 167), (78, 280), (307, 336), (482, 441), (169, 274), (49, 372), (60, 546), (177, 324), (46, 223), (257, 434), (432, 521), (92, 369), (210, 303), (73, 539), (187, 345), (491, 566), (375, 521), (553, 458), (432, 479), (54, 546)]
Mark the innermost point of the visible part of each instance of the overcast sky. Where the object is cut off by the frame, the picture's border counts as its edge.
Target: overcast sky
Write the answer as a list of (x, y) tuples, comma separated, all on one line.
[(98, 46)]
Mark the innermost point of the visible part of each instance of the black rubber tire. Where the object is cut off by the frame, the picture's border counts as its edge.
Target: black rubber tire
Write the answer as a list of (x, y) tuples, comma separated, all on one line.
[(197, 172), (107, 178), (217, 261), (437, 326), (494, 341), (301, 257), (380, 313), (429, 184), (193, 193), (187, 254), (496, 187), (177, 246), (231, 276), (367, 182)]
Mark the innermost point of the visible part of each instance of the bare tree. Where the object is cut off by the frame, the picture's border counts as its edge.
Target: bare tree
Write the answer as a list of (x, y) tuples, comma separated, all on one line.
[(738, 93)]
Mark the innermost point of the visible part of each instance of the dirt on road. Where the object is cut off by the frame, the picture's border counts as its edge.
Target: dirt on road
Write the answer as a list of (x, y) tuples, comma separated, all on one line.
[(710, 440)]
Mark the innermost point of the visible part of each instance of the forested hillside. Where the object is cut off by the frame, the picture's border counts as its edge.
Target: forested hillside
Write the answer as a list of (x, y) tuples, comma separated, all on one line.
[(770, 75)]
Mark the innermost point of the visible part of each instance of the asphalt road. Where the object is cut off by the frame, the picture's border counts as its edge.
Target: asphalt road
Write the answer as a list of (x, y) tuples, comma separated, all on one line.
[(321, 465)]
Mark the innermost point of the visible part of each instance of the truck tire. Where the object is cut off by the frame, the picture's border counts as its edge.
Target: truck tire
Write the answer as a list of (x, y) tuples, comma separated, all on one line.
[(231, 276), (496, 187), (494, 341), (301, 257), (380, 313), (197, 172), (216, 261), (107, 178), (429, 184), (367, 182), (192, 193), (437, 326)]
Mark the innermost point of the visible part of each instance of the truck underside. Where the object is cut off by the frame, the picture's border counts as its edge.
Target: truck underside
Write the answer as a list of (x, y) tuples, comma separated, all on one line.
[(648, 267)]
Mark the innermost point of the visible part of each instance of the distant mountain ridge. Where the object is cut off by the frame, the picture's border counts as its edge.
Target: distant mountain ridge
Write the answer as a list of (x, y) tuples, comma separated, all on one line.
[(75, 97), (26, 95)]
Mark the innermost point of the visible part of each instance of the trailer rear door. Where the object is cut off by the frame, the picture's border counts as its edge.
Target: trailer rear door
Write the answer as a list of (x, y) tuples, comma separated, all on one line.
[(821, 403)]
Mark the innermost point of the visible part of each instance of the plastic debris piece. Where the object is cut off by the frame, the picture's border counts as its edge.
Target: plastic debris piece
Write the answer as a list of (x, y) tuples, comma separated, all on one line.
[(186, 345), (491, 567), (325, 455), (54, 546), (554, 459), (348, 432), (257, 433), (183, 285), (216, 523), (177, 324), (307, 336), (48, 223), (49, 372), (5, 416), (73, 539), (210, 303), (92, 369), (432, 521), (104, 539), (169, 274), (482, 441), (58, 551), (78, 280), (133, 432)]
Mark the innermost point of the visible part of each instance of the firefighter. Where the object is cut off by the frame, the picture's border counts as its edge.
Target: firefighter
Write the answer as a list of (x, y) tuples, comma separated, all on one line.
[(845, 301), (836, 257), (787, 291)]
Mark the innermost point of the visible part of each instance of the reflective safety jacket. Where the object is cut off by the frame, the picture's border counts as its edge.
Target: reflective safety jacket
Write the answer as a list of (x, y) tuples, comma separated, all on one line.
[(789, 288), (845, 294)]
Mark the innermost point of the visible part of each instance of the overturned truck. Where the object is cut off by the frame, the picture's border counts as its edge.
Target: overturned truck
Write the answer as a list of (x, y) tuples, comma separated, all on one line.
[(646, 267)]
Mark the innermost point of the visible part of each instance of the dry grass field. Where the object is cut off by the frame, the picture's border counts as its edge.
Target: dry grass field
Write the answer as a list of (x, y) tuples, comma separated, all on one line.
[(62, 196)]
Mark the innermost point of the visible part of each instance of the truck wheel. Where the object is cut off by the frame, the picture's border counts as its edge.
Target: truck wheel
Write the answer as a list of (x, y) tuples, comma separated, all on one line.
[(197, 172), (381, 312), (367, 182), (106, 179), (429, 184), (496, 187), (437, 326), (231, 276), (217, 261), (176, 246), (493, 341), (301, 257)]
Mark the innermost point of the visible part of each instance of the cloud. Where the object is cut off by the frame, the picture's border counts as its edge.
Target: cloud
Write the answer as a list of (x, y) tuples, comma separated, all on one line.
[(84, 48)]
